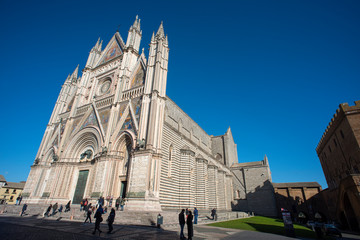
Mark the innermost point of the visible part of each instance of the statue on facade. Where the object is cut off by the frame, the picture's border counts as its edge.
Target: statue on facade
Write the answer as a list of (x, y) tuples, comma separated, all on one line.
[(104, 151), (87, 154), (141, 144), (37, 160), (55, 158)]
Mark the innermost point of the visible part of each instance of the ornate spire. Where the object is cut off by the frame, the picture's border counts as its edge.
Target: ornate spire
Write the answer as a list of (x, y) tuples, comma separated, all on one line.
[(136, 24), (160, 33), (153, 37)]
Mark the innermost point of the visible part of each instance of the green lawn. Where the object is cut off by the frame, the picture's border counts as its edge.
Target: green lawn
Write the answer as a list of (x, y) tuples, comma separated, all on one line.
[(265, 224)]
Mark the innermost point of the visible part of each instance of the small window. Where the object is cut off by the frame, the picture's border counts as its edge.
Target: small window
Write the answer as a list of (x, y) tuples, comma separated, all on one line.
[(335, 143), (11, 198), (170, 160), (7, 191), (342, 134), (14, 191), (329, 148)]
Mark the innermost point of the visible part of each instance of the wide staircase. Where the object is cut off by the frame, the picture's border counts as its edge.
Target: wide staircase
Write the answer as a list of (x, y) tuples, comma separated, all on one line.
[(170, 217)]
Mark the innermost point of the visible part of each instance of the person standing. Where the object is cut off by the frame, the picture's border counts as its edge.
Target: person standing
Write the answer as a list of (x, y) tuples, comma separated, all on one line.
[(182, 223), (23, 209), (117, 203), (20, 199), (55, 207), (196, 214), (111, 219), (122, 203), (17, 200), (189, 224), (99, 219), (88, 214)]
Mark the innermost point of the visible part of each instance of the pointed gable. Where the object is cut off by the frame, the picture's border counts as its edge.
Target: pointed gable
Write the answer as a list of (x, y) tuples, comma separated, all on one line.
[(90, 121), (112, 52), (128, 124), (138, 78)]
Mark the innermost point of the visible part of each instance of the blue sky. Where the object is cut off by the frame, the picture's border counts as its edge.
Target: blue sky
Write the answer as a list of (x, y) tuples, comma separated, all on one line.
[(275, 71)]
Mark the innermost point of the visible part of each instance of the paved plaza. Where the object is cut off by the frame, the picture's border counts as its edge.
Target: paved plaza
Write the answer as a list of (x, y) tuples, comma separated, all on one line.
[(31, 227)]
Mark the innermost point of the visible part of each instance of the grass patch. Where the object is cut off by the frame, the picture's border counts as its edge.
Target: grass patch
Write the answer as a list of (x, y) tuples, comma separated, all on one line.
[(265, 224)]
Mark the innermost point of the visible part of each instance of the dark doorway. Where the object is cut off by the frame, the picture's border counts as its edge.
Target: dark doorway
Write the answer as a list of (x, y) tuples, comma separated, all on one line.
[(80, 186), (123, 189)]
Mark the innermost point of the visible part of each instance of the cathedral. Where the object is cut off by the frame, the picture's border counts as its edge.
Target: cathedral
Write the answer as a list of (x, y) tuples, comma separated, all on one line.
[(114, 132)]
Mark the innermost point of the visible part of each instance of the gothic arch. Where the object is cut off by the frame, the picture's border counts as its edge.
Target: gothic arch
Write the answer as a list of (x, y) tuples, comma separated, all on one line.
[(88, 138), (121, 138), (48, 156)]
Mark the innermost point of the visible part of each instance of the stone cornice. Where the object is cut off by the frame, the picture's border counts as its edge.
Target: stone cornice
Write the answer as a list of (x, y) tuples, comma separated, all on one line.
[(202, 160), (187, 152)]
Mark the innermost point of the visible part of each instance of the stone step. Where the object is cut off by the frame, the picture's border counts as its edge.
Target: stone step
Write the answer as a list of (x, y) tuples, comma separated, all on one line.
[(170, 218)]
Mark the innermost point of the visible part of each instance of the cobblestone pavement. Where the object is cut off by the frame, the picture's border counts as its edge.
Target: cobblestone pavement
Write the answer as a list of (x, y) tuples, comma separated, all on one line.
[(30, 227)]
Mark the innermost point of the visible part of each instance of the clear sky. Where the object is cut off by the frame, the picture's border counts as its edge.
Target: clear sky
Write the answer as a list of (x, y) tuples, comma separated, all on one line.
[(274, 71)]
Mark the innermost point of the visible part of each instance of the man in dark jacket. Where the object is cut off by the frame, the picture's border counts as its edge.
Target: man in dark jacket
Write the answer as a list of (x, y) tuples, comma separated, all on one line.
[(182, 223), (111, 219), (98, 220)]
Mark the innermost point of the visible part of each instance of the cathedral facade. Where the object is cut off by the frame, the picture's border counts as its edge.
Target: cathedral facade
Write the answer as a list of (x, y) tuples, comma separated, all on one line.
[(114, 132)]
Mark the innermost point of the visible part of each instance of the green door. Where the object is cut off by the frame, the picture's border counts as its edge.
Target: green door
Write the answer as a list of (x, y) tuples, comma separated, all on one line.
[(80, 186), (123, 189)]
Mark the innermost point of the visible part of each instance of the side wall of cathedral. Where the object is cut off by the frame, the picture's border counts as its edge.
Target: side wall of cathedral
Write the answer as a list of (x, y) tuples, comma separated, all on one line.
[(190, 175)]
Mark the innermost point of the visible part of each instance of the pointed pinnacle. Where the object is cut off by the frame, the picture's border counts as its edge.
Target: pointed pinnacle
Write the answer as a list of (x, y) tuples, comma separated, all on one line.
[(75, 73), (97, 43), (160, 32), (153, 37)]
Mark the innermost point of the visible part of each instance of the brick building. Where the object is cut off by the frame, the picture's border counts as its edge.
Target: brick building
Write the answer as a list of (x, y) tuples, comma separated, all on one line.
[(301, 199), (339, 154)]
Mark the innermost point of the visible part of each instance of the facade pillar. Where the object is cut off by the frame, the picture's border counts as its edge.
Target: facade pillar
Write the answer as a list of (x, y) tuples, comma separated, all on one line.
[(212, 186), (201, 172)]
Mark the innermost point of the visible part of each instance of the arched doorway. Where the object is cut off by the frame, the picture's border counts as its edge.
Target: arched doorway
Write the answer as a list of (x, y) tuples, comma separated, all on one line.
[(125, 148)]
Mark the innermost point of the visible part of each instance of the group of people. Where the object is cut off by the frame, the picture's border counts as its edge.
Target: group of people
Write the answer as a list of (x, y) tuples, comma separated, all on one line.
[(98, 219), (99, 210), (56, 209), (186, 216)]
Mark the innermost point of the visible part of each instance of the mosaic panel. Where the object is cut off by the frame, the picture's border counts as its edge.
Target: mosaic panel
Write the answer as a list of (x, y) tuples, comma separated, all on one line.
[(91, 120), (136, 105), (104, 118), (128, 124), (113, 52), (122, 109), (138, 79), (70, 104), (75, 124)]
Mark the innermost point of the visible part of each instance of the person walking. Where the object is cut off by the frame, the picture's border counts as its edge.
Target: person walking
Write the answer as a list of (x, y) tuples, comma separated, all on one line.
[(196, 214), (88, 214), (122, 203), (111, 219), (55, 207), (99, 219), (117, 203), (189, 224), (60, 209), (67, 206), (182, 223), (48, 210), (23, 209)]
